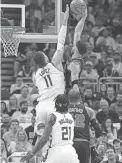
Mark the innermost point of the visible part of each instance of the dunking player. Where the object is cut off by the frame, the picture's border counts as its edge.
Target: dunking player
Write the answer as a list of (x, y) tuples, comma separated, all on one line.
[(75, 64), (61, 125), (49, 79), (83, 117)]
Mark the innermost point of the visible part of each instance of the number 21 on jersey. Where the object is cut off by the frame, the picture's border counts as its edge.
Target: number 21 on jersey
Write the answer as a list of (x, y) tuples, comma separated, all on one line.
[(66, 133)]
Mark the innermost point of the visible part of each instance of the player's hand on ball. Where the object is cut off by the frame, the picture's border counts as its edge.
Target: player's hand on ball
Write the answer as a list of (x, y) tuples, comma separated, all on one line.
[(78, 9)]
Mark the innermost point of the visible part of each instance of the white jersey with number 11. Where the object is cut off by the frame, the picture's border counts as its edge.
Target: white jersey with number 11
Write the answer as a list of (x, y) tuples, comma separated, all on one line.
[(50, 82)]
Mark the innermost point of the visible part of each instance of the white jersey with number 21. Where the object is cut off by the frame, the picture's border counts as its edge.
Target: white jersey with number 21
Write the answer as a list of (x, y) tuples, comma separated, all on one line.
[(63, 130), (50, 82)]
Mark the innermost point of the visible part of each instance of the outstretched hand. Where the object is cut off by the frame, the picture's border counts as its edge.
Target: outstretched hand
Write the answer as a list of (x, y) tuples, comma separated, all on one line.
[(66, 15)]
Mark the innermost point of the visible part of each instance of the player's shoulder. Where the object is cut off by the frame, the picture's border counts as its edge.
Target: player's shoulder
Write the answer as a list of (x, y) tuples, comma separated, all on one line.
[(52, 118), (89, 109)]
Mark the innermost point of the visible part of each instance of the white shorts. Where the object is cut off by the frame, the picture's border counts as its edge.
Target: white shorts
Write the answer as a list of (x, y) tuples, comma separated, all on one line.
[(62, 154), (43, 110)]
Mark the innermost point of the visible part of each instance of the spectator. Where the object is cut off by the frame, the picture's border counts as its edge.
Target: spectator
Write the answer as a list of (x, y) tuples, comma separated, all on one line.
[(106, 113), (111, 155), (30, 132), (110, 51), (97, 28), (116, 144), (15, 88), (26, 68), (4, 151), (110, 98), (120, 132), (93, 142), (24, 95), (4, 92), (20, 60), (117, 64), (5, 124), (97, 63), (4, 109), (13, 105), (117, 27), (119, 43), (89, 72), (109, 72), (117, 106), (89, 97), (101, 149), (23, 116), (85, 37), (20, 144), (96, 103), (110, 130), (90, 16), (103, 90), (11, 135), (105, 39), (103, 137), (120, 87)]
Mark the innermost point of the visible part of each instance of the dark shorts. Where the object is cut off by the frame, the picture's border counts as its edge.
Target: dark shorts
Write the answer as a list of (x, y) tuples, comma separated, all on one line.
[(83, 150)]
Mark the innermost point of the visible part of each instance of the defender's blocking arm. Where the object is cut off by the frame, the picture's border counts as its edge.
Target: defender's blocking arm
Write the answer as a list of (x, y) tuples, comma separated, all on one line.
[(58, 56)]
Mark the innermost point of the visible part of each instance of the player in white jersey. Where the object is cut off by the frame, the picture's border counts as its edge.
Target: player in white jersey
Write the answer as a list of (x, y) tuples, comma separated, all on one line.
[(60, 125), (49, 78)]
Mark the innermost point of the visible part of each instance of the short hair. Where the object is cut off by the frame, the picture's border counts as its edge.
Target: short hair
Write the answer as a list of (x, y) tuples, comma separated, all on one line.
[(23, 102), (81, 46), (14, 120), (110, 146), (25, 86), (39, 58)]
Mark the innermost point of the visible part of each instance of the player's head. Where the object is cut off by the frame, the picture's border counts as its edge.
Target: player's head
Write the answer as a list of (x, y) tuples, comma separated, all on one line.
[(81, 47), (61, 103), (74, 96), (40, 59)]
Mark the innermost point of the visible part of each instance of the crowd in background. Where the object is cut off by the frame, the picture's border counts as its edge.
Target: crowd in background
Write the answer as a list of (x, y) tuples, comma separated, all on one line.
[(103, 36)]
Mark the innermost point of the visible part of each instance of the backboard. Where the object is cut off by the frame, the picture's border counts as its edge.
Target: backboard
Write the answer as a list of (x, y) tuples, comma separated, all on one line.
[(42, 23)]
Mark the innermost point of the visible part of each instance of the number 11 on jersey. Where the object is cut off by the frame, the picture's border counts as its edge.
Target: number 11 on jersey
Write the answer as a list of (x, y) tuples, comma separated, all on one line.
[(48, 81)]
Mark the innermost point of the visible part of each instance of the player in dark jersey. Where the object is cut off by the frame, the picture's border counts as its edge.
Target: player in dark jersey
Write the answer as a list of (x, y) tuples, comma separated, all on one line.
[(75, 65), (84, 117)]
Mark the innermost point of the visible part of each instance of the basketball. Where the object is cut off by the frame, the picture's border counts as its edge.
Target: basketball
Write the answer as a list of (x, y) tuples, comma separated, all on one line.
[(77, 8)]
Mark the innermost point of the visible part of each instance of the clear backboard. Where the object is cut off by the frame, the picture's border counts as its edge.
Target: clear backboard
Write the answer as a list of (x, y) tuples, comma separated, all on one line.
[(41, 18)]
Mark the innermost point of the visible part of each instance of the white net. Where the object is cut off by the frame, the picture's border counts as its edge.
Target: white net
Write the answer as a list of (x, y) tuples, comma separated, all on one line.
[(11, 37)]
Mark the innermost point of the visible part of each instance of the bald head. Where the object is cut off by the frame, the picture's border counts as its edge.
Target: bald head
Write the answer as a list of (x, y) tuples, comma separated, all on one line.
[(74, 96)]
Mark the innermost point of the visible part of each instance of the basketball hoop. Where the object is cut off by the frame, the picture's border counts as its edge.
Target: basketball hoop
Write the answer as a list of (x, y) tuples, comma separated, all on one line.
[(11, 37)]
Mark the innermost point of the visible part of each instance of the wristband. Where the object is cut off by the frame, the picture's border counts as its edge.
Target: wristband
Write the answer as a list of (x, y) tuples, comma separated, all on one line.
[(74, 82)]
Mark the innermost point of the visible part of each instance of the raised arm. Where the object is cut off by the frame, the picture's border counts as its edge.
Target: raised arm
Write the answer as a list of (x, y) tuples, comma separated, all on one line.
[(78, 31), (58, 56), (79, 28)]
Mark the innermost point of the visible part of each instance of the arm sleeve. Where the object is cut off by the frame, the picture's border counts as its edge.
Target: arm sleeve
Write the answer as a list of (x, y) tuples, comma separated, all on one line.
[(61, 38), (78, 30), (58, 56)]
